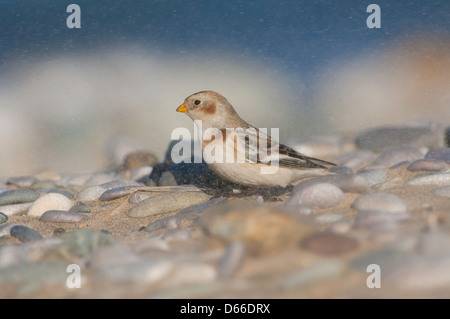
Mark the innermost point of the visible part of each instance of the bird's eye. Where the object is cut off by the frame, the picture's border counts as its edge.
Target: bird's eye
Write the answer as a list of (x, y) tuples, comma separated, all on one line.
[(197, 102)]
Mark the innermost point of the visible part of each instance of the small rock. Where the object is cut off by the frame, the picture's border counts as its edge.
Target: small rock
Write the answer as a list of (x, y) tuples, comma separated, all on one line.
[(395, 182), (231, 260), (396, 155), (167, 202), (83, 241), (167, 222), (24, 234), (442, 191), (347, 183), (117, 183), (3, 218), (318, 195), (18, 196), (51, 201), (139, 159), (10, 210), (138, 197), (380, 139), (80, 208), (22, 181), (90, 193), (430, 179), (59, 231), (116, 192), (329, 244), (439, 153), (342, 170), (426, 165), (380, 202), (60, 216), (374, 176), (167, 179)]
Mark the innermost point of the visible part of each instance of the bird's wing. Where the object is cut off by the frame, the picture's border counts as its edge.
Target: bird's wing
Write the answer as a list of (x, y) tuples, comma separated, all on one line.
[(258, 147)]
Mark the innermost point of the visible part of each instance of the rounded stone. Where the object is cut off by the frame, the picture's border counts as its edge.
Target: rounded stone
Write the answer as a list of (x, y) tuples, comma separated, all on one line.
[(439, 153), (18, 196), (430, 179), (374, 176), (318, 195), (380, 202), (426, 165), (90, 193), (24, 234), (60, 216), (3, 218), (22, 181), (396, 155), (80, 208), (51, 201)]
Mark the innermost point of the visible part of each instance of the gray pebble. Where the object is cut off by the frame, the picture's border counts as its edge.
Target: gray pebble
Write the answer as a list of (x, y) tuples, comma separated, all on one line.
[(6, 228), (347, 183), (442, 191), (80, 208), (83, 241), (342, 170), (439, 153), (176, 234), (374, 176), (392, 183), (90, 193), (60, 216), (22, 181), (18, 196), (138, 197), (188, 214), (379, 139), (396, 155), (369, 219), (169, 222), (116, 192), (3, 218), (426, 165), (430, 179), (318, 195), (25, 234), (231, 260), (15, 209), (380, 202), (167, 202)]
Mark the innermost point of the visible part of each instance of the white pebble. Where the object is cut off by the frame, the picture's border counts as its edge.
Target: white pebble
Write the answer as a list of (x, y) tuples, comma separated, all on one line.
[(90, 193), (430, 179), (50, 201), (380, 202), (10, 210), (317, 195)]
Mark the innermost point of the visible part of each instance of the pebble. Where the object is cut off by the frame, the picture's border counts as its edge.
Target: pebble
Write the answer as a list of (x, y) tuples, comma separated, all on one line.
[(439, 153), (22, 181), (396, 155), (17, 196), (430, 179), (24, 234), (90, 193), (355, 159), (392, 183), (51, 201), (317, 195), (374, 176), (169, 222), (340, 227), (60, 216), (176, 234), (319, 272), (327, 218), (117, 183), (167, 202), (347, 183), (261, 229), (369, 219), (3, 218), (342, 170), (231, 260), (100, 178), (116, 192), (5, 229), (167, 179), (379, 139), (329, 244), (188, 214), (442, 191), (379, 202), (426, 165), (80, 208), (83, 241)]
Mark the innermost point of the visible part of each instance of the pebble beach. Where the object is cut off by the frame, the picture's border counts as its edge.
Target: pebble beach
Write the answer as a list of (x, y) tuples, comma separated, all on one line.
[(154, 229)]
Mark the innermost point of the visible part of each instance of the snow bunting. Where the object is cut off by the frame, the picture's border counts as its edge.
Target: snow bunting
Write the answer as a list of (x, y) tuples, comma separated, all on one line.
[(239, 152)]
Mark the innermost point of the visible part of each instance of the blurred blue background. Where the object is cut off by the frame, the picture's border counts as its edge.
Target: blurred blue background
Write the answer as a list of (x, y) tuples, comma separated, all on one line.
[(308, 67)]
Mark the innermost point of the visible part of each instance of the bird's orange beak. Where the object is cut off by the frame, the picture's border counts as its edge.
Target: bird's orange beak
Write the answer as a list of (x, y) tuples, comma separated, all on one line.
[(182, 108)]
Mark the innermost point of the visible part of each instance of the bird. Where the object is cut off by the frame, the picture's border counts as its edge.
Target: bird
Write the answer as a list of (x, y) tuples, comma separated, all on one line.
[(264, 162)]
